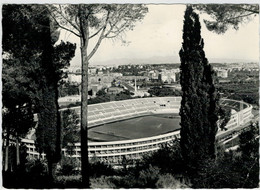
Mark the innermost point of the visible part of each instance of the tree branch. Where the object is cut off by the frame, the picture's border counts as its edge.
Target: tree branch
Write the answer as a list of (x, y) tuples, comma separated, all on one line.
[(101, 37), (95, 33), (69, 21), (240, 16), (69, 30), (249, 10)]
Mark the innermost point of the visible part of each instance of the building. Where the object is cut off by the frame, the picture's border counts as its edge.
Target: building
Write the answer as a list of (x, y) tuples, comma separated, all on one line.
[(153, 75), (223, 73), (169, 76), (74, 78)]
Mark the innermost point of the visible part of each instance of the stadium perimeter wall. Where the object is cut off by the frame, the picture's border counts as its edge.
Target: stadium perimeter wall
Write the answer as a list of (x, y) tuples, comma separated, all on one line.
[(115, 151)]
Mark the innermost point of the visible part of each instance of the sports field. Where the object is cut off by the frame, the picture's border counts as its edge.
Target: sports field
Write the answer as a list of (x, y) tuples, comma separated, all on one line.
[(140, 127)]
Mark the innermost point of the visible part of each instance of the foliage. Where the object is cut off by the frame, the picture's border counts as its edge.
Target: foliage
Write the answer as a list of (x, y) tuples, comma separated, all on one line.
[(248, 143), (103, 21), (68, 89), (130, 70), (148, 177), (72, 181), (101, 92), (41, 63), (249, 148), (222, 173), (19, 67), (99, 99), (245, 91), (125, 95), (102, 182), (167, 181), (233, 169), (171, 153), (224, 114), (138, 177), (97, 169), (163, 91), (199, 104), (18, 120), (68, 166), (224, 16), (36, 167), (70, 128)]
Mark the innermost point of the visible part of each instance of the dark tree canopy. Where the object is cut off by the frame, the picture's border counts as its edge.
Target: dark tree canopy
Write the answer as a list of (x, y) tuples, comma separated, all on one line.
[(71, 128), (33, 68), (225, 16), (199, 103)]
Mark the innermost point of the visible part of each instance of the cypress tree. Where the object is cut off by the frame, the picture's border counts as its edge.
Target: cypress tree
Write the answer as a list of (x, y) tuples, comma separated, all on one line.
[(199, 103)]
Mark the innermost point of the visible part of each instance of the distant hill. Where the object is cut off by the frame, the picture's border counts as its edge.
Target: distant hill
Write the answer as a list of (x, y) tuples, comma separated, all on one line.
[(150, 60), (163, 60)]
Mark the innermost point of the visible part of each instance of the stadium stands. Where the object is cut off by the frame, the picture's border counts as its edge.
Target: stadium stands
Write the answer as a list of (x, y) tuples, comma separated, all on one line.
[(113, 152)]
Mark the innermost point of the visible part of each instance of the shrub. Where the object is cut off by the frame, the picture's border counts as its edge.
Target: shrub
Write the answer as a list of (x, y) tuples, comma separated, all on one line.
[(167, 181), (149, 176), (68, 181), (98, 169), (68, 166), (102, 182), (36, 167)]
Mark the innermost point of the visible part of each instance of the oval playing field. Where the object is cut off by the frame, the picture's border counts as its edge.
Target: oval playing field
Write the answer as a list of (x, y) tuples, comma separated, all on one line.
[(135, 128)]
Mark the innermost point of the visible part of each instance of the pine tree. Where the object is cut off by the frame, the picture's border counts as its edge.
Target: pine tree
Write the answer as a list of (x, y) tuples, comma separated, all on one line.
[(31, 75), (199, 103)]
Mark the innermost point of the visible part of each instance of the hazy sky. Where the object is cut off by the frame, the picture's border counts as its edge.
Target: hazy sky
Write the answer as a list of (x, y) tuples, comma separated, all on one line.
[(160, 34)]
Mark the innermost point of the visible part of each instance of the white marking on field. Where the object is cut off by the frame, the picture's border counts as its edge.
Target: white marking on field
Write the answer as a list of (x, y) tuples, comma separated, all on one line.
[(159, 126)]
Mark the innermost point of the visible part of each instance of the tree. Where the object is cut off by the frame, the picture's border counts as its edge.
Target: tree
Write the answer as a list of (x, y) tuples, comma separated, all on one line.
[(199, 104), (93, 22), (40, 63), (225, 16), (19, 88), (249, 148), (163, 91), (102, 92), (224, 114), (49, 127), (70, 129), (233, 169)]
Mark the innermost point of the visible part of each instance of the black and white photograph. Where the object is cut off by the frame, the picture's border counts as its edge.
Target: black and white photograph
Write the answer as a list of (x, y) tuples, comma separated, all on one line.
[(130, 95)]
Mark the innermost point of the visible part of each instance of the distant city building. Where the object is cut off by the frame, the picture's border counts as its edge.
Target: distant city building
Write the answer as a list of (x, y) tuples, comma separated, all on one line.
[(169, 76), (153, 75), (223, 73), (115, 75), (73, 78), (92, 70)]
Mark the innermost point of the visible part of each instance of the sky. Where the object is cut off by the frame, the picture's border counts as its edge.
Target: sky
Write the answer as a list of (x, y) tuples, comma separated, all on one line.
[(159, 34)]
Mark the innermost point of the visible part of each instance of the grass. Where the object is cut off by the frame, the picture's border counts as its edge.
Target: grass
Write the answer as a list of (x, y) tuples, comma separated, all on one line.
[(141, 127)]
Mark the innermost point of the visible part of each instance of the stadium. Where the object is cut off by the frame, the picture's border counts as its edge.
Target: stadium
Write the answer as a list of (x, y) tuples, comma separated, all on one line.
[(131, 128)]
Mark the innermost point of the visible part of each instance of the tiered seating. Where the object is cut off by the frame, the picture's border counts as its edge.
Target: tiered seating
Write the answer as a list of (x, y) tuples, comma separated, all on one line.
[(113, 111)]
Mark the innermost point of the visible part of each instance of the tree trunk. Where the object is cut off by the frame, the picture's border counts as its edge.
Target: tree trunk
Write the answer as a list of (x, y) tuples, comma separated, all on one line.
[(7, 149), (84, 98), (17, 150), (51, 169), (84, 119)]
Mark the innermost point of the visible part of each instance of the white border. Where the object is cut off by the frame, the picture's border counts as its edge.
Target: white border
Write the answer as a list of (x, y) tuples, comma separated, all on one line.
[(134, 1)]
